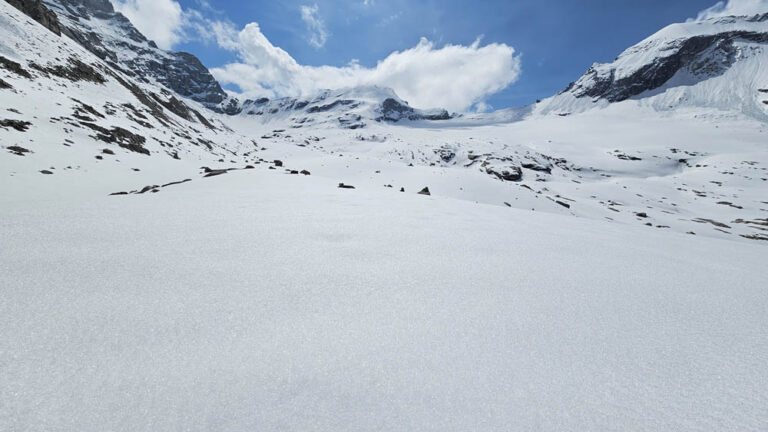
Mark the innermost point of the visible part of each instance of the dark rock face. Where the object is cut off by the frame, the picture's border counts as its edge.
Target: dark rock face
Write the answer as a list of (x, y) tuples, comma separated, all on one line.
[(704, 56), (36, 10), (74, 71), (122, 137), (511, 174), (393, 110), (181, 72), (330, 106), (14, 67)]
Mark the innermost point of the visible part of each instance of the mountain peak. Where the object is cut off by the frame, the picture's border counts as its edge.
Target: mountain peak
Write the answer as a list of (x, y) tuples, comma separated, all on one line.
[(718, 62), (126, 49)]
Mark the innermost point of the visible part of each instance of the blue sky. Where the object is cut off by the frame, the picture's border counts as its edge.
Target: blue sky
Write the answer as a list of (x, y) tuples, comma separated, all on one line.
[(556, 40)]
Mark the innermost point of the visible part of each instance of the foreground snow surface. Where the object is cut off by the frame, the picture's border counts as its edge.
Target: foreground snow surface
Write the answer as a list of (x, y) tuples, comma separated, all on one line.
[(262, 301)]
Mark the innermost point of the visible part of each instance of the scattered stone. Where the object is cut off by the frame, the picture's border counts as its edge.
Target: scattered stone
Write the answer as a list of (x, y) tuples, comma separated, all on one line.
[(146, 189), (278, 163), (731, 205), (108, 151), (19, 125), (215, 172), (176, 182), (402, 189), (118, 193), (425, 191), (305, 172), (249, 167), (18, 150), (99, 157), (641, 215), (46, 172), (758, 222), (566, 205), (344, 186), (512, 174), (537, 167), (710, 221), (626, 157)]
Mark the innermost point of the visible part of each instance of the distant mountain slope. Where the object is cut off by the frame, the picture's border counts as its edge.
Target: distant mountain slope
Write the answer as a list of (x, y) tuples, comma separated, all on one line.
[(352, 108), (109, 35), (55, 90), (718, 63)]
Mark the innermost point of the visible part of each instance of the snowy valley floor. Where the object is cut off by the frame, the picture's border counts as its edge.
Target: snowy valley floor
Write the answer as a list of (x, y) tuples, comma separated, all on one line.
[(258, 300)]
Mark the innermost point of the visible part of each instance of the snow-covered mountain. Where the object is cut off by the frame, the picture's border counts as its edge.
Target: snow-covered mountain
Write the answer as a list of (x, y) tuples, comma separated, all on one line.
[(714, 63), (352, 108), (108, 34), (172, 260), (60, 91), (522, 158)]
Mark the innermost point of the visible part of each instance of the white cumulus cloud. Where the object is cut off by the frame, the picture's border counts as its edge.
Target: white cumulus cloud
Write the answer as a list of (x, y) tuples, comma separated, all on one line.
[(734, 8), (454, 77), (159, 20)]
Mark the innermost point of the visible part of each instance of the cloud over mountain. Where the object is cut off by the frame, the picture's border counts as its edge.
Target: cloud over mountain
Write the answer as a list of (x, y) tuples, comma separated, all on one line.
[(454, 77), (734, 8)]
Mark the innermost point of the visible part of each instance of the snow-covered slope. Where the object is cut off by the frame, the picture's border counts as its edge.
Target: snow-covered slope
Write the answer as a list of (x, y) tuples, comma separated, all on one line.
[(64, 105), (716, 63), (262, 301), (352, 108), (110, 36)]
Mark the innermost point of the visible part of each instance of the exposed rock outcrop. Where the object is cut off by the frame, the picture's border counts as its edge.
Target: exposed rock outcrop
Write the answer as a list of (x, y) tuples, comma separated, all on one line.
[(36, 10)]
